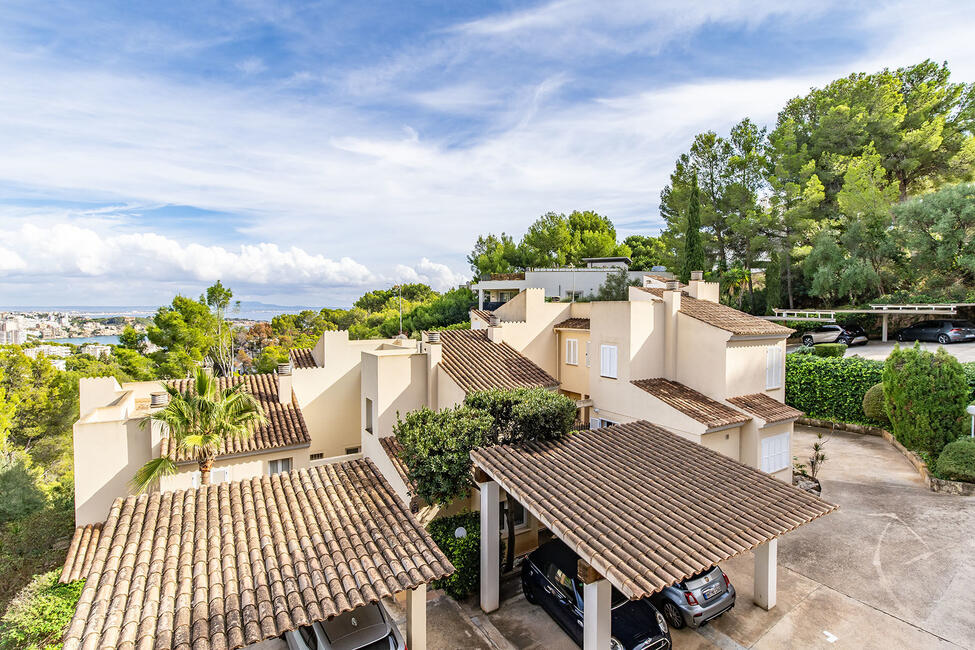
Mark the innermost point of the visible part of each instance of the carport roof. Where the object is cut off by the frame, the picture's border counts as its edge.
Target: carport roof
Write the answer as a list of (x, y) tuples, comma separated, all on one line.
[(644, 507)]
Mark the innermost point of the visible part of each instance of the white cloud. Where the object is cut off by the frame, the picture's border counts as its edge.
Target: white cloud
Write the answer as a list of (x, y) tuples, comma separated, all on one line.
[(438, 276), (252, 65)]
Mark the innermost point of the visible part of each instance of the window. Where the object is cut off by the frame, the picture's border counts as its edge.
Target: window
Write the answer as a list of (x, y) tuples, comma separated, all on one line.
[(278, 466), (607, 361), (775, 453), (368, 415), (773, 367), (521, 519), (599, 423), (588, 353), (351, 450), (217, 475), (317, 456), (572, 352)]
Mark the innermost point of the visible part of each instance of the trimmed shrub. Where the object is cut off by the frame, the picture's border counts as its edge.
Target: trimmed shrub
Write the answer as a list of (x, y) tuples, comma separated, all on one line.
[(830, 388), (875, 405), (957, 460), (464, 553), (926, 396), (37, 617), (968, 367), (829, 349)]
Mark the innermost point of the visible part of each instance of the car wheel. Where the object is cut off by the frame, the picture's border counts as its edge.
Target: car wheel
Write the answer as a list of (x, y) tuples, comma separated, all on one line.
[(900, 337), (943, 339), (672, 613), (529, 594), (807, 341)]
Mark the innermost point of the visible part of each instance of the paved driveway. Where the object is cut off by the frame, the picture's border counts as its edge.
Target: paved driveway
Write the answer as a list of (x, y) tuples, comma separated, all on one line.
[(880, 350), (894, 567)]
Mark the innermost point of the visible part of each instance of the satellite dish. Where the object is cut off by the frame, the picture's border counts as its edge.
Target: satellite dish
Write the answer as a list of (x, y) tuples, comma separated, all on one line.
[(460, 533)]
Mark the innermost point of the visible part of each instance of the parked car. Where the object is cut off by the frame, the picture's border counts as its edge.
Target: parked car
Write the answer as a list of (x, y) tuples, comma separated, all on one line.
[(549, 579), (696, 600), (942, 331), (836, 333), (368, 627)]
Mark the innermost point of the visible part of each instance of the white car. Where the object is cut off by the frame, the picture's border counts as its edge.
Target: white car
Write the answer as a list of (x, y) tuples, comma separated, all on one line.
[(369, 627)]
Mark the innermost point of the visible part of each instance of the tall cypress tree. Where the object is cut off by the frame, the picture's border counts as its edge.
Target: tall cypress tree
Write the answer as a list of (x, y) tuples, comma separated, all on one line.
[(773, 283), (693, 247)]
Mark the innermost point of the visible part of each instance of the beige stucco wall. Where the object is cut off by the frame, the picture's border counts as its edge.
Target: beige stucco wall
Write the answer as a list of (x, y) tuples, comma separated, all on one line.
[(724, 441), (750, 444), (701, 357), (573, 377), (745, 370), (527, 326), (242, 467), (449, 394), (396, 381), (107, 456)]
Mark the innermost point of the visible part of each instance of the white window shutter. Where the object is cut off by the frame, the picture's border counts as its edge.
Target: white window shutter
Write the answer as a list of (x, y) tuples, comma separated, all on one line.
[(594, 423), (607, 361), (775, 453), (588, 353), (773, 367)]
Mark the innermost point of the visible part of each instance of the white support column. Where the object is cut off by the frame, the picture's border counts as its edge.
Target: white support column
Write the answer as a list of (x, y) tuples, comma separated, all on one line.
[(490, 546), (766, 563), (597, 618), (884, 329), (480, 298), (416, 618)]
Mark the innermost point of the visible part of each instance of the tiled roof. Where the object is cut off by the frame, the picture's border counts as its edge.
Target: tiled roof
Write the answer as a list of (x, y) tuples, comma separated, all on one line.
[(392, 447), (765, 407), (285, 426), (573, 324), (645, 507), (665, 279), (302, 358), (724, 317), (81, 552), (476, 363), (691, 403), (228, 565), (483, 314)]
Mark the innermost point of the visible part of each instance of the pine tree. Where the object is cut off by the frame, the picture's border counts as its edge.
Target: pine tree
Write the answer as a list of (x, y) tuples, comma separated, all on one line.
[(773, 283), (693, 248)]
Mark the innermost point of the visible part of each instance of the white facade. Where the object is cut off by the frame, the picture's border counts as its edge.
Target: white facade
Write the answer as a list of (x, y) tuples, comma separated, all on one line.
[(561, 283)]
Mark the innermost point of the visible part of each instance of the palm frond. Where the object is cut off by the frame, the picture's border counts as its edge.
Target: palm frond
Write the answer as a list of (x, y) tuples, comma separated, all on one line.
[(151, 472)]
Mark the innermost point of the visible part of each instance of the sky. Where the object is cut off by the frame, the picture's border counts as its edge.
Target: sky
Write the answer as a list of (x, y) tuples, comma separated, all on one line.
[(305, 152)]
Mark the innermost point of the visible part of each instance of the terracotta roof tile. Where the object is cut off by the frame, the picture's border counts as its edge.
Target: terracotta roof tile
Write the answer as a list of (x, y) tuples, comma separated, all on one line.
[(573, 324), (724, 317), (81, 553), (691, 403), (483, 314), (765, 407), (476, 363), (228, 565), (645, 507), (285, 427), (392, 447), (302, 358)]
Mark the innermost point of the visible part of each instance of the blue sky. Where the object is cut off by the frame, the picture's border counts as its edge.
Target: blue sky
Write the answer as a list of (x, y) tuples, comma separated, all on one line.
[(306, 151)]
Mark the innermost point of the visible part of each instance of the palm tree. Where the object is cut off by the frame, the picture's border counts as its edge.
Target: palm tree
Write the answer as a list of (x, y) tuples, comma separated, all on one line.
[(199, 420)]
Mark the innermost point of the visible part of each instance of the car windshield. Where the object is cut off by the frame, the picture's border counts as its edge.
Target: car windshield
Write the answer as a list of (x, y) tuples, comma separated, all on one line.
[(356, 629)]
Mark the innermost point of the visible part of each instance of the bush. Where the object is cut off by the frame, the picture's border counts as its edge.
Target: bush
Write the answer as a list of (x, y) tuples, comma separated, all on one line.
[(829, 349), (463, 553), (968, 368), (875, 405), (524, 414), (926, 396), (37, 616), (831, 388), (957, 460)]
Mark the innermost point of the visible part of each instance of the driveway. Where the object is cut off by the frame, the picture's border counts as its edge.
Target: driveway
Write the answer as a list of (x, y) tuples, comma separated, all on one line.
[(880, 350), (893, 567)]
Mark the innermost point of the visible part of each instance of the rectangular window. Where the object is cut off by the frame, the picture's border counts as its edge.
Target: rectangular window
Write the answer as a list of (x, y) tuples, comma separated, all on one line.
[(775, 453), (368, 415), (572, 352), (318, 456), (588, 353), (278, 466), (599, 423), (773, 367), (607, 361), (521, 519), (351, 450)]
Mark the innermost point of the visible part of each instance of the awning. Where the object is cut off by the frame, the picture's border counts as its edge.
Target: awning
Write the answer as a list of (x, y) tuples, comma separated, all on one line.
[(644, 507)]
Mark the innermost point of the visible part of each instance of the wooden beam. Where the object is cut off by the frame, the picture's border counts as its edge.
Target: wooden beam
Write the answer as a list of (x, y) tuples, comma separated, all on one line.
[(480, 476), (587, 574)]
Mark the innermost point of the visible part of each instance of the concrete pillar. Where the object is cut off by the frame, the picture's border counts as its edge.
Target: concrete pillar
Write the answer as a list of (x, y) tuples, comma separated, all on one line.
[(416, 618), (597, 618), (671, 307), (434, 357), (883, 336), (490, 545), (766, 562), (480, 298)]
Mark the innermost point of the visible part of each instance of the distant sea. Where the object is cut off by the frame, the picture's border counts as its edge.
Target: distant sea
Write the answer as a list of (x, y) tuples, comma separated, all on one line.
[(248, 311), (81, 340)]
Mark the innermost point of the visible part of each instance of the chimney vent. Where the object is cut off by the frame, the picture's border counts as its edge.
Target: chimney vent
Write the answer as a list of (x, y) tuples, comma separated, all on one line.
[(433, 337), (673, 285), (697, 275), (284, 369), (494, 321), (158, 400)]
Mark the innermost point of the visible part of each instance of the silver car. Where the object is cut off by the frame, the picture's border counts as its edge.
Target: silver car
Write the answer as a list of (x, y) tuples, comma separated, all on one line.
[(834, 333), (697, 600), (369, 627)]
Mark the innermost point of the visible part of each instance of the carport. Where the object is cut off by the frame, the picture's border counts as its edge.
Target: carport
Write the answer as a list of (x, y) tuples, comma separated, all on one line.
[(643, 508), (884, 311)]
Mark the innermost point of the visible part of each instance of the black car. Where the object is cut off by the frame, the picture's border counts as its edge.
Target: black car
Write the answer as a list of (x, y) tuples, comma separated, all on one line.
[(549, 579), (942, 331)]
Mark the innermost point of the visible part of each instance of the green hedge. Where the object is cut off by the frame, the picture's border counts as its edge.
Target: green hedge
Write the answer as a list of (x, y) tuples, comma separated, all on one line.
[(829, 349), (957, 460), (37, 617), (463, 553), (830, 388)]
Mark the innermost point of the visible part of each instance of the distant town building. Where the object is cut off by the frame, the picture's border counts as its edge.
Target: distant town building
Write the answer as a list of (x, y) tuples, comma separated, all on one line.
[(96, 350), (50, 351)]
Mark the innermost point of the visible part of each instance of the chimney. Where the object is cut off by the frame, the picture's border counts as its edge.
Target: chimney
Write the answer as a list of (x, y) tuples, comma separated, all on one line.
[(494, 333), (434, 352), (698, 288), (284, 383), (158, 400), (157, 430), (671, 296), (697, 275)]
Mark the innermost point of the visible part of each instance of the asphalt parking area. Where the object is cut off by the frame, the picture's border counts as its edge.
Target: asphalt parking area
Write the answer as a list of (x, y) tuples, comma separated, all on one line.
[(880, 350)]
